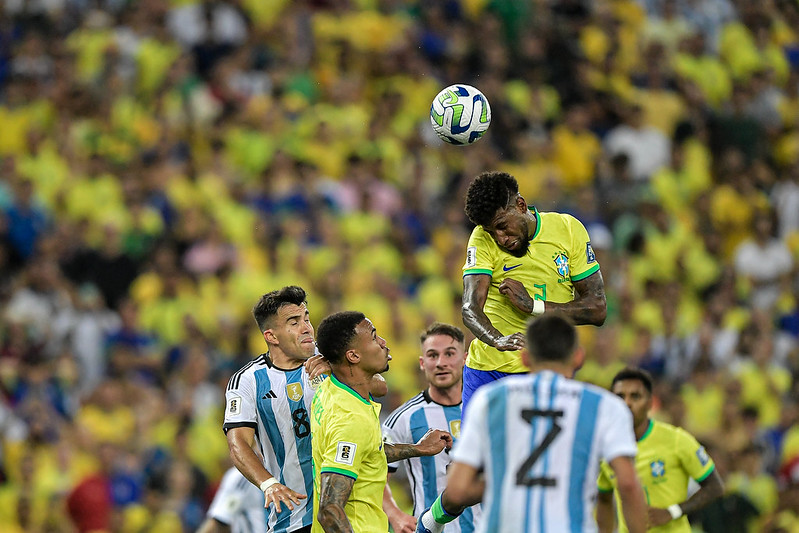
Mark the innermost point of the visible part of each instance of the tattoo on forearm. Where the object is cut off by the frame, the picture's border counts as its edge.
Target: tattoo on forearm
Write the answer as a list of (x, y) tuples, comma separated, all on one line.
[(398, 452), (333, 496), (590, 305)]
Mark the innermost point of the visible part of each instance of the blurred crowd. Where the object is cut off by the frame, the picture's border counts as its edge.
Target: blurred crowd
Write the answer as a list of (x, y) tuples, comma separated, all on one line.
[(165, 162)]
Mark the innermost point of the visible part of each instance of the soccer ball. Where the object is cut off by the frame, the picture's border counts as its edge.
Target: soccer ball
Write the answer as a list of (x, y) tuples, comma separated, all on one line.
[(460, 114)]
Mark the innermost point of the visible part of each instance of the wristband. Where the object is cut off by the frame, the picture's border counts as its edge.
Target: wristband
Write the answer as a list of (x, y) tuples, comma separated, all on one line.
[(268, 483), (538, 307), (675, 511)]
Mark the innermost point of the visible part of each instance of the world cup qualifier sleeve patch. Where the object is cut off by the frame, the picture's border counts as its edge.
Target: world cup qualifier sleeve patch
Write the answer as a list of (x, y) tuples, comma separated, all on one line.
[(234, 405), (590, 257), (471, 256), (345, 453)]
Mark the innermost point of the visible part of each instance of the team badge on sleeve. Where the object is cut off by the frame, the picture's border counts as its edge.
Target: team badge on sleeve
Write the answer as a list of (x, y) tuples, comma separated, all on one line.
[(345, 453), (701, 454), (590, 257), (294, 391), (234, 405), (471, 256)]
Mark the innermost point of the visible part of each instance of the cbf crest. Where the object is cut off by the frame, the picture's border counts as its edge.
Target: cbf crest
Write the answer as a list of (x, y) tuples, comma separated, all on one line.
[(658, 468), (294, 391), (562, 264)]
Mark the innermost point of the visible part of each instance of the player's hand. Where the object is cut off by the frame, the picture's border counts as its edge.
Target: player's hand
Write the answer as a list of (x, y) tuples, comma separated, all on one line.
[(510, 343), (277, 494), (316, 365), (658, 517), (517, 294), (403, 523), (434, 441)]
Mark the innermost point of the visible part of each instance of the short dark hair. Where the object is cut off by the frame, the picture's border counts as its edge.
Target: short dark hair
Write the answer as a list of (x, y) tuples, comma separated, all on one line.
[(633, 373), (488, 193), (269, 303), (440, 328), (551, 338), (335, 334)]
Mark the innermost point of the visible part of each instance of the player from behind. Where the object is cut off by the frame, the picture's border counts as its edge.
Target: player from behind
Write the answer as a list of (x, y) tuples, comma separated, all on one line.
[(437, 407), (520, 263), (267, 406), (237, 507), (530, 446), (667, 457)]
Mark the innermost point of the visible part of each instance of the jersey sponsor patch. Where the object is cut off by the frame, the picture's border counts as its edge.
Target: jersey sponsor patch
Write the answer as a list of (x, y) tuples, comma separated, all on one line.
[(234, 405), (294, 391), (345, 453), (590, 256), (702, 455), (471, 256)]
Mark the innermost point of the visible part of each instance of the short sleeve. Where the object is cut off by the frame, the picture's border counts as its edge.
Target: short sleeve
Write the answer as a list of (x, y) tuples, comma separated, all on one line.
[(471, 448), (582, 258), (693, 457), (240, 402), (616, 434), (479, 255), (603, 483), (346, 446)]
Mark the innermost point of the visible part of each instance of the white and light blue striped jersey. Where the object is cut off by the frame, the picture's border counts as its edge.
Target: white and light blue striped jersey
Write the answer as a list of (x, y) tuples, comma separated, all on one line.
[(238, 504), (540, 438), (276, 402), (428, 475)]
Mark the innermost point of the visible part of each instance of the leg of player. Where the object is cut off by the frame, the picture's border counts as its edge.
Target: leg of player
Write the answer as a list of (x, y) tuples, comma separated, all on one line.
[(465, 486)]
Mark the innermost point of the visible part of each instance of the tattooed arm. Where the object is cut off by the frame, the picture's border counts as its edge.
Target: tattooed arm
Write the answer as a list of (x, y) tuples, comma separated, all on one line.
[(475, 294), (333, 495), (589, 305), (431, 443)]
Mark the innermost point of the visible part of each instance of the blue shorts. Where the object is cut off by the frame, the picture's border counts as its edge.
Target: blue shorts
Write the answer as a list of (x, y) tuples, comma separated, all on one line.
[(473, 380)]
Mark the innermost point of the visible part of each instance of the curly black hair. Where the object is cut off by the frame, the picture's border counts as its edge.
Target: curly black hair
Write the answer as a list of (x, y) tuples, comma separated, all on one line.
[(633, 373), (336, 333), (487, 194)]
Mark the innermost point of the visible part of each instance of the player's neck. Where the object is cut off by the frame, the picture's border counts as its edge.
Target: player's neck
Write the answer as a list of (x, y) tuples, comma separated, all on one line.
[(532, 223), (282, 360), (449, 396), (642, 428), (565, 370), (355, 378)]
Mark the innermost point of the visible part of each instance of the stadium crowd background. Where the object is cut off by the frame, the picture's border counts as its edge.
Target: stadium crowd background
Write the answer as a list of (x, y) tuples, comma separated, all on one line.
[(165, 162)]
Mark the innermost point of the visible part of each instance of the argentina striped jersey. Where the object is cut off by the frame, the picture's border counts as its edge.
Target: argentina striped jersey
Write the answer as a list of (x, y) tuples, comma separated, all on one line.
[(540, 438), (238, 504), (276, 402), (428, 475)]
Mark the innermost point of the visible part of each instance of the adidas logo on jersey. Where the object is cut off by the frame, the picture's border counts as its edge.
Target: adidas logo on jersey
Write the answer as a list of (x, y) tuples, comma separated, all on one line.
[(269, 395)]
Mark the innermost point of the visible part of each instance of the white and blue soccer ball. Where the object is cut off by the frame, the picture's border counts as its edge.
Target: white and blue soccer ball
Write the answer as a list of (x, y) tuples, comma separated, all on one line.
[(460, 114)]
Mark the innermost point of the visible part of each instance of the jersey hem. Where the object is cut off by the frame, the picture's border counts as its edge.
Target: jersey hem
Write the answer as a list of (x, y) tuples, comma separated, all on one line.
[(340, 471), (580, 277), (233, 425)]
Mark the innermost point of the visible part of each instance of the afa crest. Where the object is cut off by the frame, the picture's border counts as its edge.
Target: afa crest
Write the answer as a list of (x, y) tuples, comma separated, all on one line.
[(455, 429), (562, 263), (658, 468), (294, 391)]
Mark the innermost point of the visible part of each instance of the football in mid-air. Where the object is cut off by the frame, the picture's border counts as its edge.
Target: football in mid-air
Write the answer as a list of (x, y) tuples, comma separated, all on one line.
[(460, 114)]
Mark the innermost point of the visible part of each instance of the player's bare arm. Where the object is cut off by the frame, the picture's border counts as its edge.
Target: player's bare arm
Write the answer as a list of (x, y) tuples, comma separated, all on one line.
[(605, 512), (589, 305), (633, 503), (432, 443), (475, 294), (400, 521), (240, 441), (316, 365), (333, 495), (710, 489), (465, 487)]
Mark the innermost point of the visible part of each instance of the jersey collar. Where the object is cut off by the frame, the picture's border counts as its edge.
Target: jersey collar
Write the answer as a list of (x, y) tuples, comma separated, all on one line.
[(537, 220), (428, 399), (347, 388), (271, 364), (648, 430)]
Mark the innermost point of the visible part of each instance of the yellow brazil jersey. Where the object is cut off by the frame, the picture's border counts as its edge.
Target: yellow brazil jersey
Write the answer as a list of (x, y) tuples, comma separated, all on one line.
[(667, 457), (347, 440), (559, 254)]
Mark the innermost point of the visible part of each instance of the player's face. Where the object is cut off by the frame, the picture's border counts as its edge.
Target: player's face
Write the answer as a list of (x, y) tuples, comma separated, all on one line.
[(442, 361), (509, 230), (294, 332), (637, 398), (372, 347)]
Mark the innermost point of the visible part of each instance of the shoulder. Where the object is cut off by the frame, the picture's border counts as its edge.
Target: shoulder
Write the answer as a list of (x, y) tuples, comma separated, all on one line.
[(406, 410), (480, 237), (246, 373)]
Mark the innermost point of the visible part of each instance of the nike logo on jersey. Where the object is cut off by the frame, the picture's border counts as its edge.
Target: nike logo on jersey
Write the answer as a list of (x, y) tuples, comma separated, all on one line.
[(269, 395), (506, 267)]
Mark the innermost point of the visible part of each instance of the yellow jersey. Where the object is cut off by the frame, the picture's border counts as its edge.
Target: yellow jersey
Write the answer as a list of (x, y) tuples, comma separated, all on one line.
[(667, 457), (347, 440), (559, 254)]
